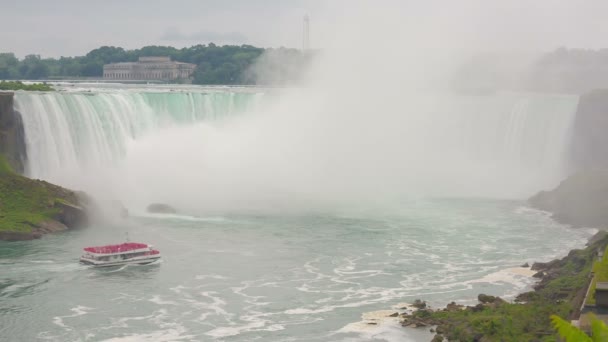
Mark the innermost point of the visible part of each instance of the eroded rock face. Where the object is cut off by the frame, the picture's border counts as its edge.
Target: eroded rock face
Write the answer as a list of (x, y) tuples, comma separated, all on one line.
[(589, 149), (31, 208), (581, 200), (12, 134), (161, 208), (71, 215)]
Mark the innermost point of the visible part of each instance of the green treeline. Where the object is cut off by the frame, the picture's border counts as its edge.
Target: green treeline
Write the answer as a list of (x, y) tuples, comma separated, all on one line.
[(228, 64), (17, 85)]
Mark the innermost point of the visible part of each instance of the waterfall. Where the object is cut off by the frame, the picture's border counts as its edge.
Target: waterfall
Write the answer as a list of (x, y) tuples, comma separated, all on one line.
[(298, 148), (72, 130)]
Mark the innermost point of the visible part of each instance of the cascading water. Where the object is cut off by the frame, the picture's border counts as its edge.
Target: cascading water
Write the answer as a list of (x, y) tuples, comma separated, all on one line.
[(69, 131), (506, 145), (307, 277)]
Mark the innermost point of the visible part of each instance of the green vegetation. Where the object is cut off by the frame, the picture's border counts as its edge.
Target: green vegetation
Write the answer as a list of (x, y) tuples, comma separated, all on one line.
[(599, 331), (228, 64), (600, 272), (559, 293), (25, 202), (5, 167), (17, 85)]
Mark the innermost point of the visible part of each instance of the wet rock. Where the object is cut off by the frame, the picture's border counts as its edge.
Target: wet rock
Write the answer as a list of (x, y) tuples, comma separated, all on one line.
[(539, 274), (396, 314), (525, 265), (419, 304), (437, 338), (483, 298), (71, 215), (12, 133), (454, 307), (161, 208), (477, 308)]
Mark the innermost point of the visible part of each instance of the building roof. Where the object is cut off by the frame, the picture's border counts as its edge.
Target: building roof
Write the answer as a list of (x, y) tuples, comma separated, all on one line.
[(151, 60)]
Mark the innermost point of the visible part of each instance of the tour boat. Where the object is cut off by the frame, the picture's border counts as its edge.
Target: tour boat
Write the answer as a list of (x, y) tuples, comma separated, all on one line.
[(122, 254)]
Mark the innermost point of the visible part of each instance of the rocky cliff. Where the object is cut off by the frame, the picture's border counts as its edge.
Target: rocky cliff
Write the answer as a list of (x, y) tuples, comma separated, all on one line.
[(581, 200), (589, 148), (12, 136), (42, 209), (31, 208)]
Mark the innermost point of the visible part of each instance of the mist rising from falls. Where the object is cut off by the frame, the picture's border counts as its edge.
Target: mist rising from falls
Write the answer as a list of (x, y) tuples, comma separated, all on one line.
[(74, 132), (205, 152), (370, 124)]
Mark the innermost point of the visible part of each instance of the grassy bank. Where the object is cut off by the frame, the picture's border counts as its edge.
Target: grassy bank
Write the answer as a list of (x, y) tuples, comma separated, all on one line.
[(17, 85), (600, 274), (25, 203), (560, 292)]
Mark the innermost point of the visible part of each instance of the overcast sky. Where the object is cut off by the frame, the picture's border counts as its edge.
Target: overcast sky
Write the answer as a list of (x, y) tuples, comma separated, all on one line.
[(74, 27)]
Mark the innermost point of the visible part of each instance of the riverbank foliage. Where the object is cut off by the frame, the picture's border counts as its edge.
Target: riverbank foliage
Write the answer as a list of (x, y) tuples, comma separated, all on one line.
[(570, 333), (25, 202), (600, 274), (560, 292), (228, 64), (17, 85)]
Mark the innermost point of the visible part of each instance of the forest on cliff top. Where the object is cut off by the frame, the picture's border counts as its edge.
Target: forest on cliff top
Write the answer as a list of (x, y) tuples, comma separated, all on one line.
[(228, 64)]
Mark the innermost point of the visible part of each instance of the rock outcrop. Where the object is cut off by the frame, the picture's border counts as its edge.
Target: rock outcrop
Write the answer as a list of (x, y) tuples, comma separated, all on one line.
[(581, 200), (12, 136), (161, 208), (31, 208), (560, 291)]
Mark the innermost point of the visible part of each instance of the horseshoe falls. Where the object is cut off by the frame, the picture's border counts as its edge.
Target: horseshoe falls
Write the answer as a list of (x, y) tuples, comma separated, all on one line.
[(72, 130), (507, 145), (295, 217)]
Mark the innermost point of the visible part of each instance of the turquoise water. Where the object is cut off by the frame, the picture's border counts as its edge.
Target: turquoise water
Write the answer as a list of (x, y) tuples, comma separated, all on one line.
[(302, 214), (273, 278)]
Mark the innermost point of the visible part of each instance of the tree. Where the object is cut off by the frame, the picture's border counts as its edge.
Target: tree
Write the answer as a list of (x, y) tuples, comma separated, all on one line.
[(107, 54), (92, 69), (573, 334), (227, 64), (8, 65), (38, 71)]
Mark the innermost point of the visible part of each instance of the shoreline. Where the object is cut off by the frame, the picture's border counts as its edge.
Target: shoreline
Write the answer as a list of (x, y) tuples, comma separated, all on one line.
[(457, 321), (439, 323)]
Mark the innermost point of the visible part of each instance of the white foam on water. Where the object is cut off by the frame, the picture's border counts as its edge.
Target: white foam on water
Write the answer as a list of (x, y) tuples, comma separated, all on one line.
[(259, 325), (210, 276), (157, 300), (123, 322), (214, 306), (156, 336), (178, 289), (371, 320), (378, 325), (523, 271), (519, 277), (181, 217), (79, 310)]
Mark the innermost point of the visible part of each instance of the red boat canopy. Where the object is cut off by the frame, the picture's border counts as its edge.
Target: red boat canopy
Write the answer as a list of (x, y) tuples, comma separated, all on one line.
[(110, 249)]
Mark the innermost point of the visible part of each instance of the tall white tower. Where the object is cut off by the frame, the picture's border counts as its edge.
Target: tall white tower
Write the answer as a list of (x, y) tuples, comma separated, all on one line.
[(306, 34)]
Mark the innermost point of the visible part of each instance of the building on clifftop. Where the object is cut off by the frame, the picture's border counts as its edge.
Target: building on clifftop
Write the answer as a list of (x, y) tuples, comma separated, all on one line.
[(150, 68)]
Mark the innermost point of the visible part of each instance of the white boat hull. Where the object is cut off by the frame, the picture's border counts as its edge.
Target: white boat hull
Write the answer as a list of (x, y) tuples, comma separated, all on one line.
[(131, 261)]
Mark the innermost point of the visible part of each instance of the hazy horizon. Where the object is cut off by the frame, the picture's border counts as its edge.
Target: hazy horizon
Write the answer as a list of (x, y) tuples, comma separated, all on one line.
[(72, 28)]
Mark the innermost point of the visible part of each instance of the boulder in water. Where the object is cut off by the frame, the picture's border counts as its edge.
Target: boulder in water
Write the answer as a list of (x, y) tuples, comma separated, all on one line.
[(161, 208)]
